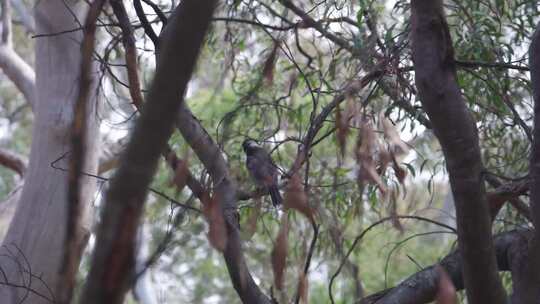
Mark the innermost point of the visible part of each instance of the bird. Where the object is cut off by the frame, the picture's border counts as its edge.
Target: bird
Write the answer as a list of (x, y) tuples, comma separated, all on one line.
[(262, 169)]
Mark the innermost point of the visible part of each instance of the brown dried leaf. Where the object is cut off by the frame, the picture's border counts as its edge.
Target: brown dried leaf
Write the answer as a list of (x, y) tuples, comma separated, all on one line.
[(397, 146), (251, 225), (279, 252), (495, 202), (303, 288), (396, 223), (399, 171), (385, 158), (217, 231), (181, 174), (269, 64), (365, 147), (295, 197), (446, 292), (342, 130)]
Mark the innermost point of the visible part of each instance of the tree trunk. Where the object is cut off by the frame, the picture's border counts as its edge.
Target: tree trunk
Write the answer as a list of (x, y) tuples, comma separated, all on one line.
[(435, 75), (35, 239)]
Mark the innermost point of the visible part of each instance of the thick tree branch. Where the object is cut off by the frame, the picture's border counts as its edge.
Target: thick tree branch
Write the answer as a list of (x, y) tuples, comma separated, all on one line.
[(25, 16), (74, 236), (131, 52), (421, 287), (454, 127), (224, 188), (17, 70), (12, 161), (111, 272), (148, 30), (511, 192), (531, 292), (128, 41)]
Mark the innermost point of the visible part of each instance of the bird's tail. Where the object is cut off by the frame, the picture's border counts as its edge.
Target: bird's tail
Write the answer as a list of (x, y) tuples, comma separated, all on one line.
[(275, 195)]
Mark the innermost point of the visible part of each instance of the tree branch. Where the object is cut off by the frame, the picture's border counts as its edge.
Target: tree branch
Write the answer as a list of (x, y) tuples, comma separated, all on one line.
[(74, 236), (531, 292), (365, 56), (112, 263), (17, 70), (421, 287), (25, 16), (440, 95), (13, 161), (210, 155)]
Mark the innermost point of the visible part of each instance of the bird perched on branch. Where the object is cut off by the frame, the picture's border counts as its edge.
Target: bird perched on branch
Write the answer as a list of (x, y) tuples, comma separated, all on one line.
[(262, 169)]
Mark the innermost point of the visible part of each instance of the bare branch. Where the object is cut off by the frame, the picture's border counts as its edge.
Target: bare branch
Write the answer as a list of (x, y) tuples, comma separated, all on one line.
[(25, 15), (18, 71), (111, 272), (74, 237), (131, 52), (210, 155), (12, 161), (368, 229), (6, 23), (421, 287), (144, 21)]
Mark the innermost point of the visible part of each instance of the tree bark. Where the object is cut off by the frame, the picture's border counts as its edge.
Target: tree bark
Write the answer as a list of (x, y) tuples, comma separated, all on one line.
[(421, 287), (226, 190), (531, 288), (435, 75), (112, 266), (36, 235)]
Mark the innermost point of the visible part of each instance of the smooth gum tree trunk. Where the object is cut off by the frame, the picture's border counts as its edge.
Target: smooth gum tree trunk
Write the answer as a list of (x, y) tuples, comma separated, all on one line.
[(32, 251)]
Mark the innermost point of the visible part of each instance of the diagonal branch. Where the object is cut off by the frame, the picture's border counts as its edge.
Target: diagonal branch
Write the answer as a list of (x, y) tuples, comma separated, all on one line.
[(421, 287), (210, 155), (12, 161), (128, 41), (112, 269), (74, 238), (16, 69)]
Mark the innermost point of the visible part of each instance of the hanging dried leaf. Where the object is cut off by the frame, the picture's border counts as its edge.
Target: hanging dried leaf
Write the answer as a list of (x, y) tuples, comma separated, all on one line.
[(365, 147), (397, 146), (303, 288), (217, 231), (295, 197), (279, 252), (181, 174), (385, 157), (495, 202), (342, 129), (251, 225), (396, 223), (446, 292), (269, 64), (400, 172)]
